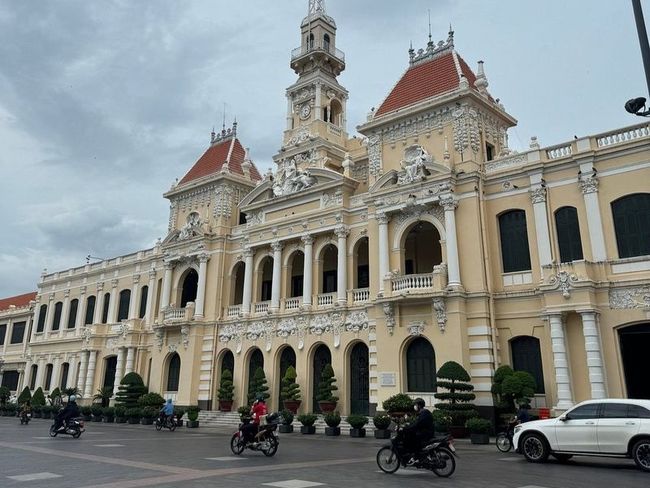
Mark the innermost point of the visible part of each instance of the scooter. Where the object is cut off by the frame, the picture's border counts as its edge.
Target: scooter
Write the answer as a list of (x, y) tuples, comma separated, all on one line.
[(25, 417), (266, 439), (73, 427)]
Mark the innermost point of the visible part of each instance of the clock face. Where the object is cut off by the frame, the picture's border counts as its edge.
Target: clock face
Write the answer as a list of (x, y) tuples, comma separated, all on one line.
[(305, 110)]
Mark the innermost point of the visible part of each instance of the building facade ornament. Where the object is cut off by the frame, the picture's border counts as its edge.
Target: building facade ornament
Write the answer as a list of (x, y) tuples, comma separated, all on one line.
[(114, 282), (185, 335), (448, 201), (192, 227), (341, 231), (159, 338), (564, 282), (538, 195), (172, 347), (355, 322), (588, 184), (416, 327), (466, 129), (66, 293), (415, 157), (86, 334), (374, 154), (630, 298), (440, 312), (277, 246), (382, 218), (307, 240), (332, 199), (389, 315), (289, 179), (136, 279)]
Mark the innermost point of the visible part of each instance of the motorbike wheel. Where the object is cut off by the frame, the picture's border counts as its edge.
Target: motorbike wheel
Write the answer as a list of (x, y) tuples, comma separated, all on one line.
[(273, 447), (158, 425), (237, 444), (77, 434), (172, 426), (387, 460), (445, 464), (503, 442), (53, 431)]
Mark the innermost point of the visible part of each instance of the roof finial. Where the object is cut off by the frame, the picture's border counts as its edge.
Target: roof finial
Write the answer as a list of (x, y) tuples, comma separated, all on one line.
[(234, 127), (430, 38), (223, 125), (450, 39), (316, 6), (212, 136)]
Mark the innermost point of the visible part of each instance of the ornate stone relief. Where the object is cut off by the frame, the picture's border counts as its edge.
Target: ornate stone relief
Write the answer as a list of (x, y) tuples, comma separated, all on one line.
[(185, 335), (223, 204), (359, 171), (440, 311), (172, 347), (511, 162), (538, 195), (416, 327), (303, 94), (159, 338), (374, 154), (255, 218), (629, 298), (389, 314), (332, 199), (466, 129), (87, 334), (300, 135), (356, 322), (288, 179), (123, 329), (588, 184), (564, 282), (415, 157), (192, 227), (172, 216)]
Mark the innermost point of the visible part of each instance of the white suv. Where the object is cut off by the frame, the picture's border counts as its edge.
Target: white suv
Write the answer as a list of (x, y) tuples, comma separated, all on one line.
[(608, 427)]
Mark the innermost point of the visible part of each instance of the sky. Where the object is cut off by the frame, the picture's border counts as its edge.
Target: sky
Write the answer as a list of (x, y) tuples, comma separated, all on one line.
[(104, 104)]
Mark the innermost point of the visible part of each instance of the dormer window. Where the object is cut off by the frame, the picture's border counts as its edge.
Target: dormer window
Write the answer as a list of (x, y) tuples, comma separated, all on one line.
[(326, 42)]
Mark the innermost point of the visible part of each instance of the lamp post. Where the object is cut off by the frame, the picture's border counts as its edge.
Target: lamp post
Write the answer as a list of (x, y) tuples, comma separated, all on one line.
[(637, 105)]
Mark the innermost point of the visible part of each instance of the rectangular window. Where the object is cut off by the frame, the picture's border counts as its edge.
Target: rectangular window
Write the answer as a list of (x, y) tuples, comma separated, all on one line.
[(3, 332), (489, 151), (10, 379), (329, 281), (41, 318), (363, 276), (614, 411), (296, 286), (17, 332), (266, 290), (90, 310)]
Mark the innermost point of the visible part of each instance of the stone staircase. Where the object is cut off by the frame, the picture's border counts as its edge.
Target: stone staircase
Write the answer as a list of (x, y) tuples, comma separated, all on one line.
[(230, 420)]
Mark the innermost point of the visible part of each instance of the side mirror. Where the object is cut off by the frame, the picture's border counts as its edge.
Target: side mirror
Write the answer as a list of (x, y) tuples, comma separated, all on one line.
[(563, 418)]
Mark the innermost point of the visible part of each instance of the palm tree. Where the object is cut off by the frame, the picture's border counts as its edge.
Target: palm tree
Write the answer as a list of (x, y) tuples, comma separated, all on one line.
[(71, 391), (104, 394)]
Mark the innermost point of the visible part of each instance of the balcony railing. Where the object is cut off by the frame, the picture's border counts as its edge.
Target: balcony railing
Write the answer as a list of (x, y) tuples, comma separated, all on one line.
[(174, 314), (420, 283), (262, 307), (326, 299), (360, 295), (317, 46), (292, 303), (233, 311)]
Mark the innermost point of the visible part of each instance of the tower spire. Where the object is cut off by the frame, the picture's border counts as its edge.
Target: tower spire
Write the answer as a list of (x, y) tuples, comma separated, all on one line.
[(316, 6)]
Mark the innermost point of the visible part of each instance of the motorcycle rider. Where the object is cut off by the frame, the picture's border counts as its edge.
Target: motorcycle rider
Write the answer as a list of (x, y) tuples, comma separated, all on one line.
[(257, 411), (419, 431), (70, 411), (167, 410), (26, 409)]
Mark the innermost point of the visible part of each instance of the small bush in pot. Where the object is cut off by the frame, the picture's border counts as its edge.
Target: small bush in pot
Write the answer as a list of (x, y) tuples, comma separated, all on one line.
[(398, 405), (24, 396), (120, 415), (148, 415), (47, 411), (96, 411), (381, 421), (479, 430), (332, 419), (357, 423), (307, 420), (290, 390), (192, 416), (287, 419), (86, 413), (441, 420), (133, 415), (226, 391), (456, 400), (37, 411), (38, 398), (109, 414), (244, 412), (326, 388), (151, 400), (179, 412)]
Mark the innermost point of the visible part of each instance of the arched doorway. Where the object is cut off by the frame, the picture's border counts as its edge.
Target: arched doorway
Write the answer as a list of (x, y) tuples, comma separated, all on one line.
[(238, 290), (228, 362), (190, 286), (110, 368), (255, 361), (322, 357), (361, 267), (173, 373), (421, 366), (287, 358), (421, 248), (635, 344), (359, 380)]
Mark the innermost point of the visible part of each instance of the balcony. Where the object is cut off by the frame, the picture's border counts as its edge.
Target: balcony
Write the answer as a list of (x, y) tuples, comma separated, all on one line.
[(360, 295), (261, 307), (326, 299), (418, 284), (317, 47), (178, 315), (233, 311), (292, 303)]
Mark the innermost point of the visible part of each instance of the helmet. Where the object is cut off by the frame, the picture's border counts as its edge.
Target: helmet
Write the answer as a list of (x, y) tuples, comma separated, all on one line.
[(72, 398), (259, 397), (419, 402)]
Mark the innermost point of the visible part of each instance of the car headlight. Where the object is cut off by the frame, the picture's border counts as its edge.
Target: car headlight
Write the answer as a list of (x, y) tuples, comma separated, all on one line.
[(518, 428)]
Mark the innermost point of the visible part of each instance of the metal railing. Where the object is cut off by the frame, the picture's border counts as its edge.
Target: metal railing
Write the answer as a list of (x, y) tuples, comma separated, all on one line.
[(317, 46)]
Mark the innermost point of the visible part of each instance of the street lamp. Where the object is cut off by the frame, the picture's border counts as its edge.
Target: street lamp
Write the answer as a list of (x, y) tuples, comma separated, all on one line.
[(636, 106)]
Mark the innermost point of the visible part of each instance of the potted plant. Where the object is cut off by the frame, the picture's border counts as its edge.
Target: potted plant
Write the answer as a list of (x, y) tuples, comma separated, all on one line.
[(398, 405), (5, 394), (357, 422), (258, 386), (290, 390), (130, 390), (456, 400), (38, 398), (326, 387), (286, 426), (193, 416), (148, 415), (307, 420), (226, 391), (120, 415), (244, 412), (179, 412), (381, 421), (441, 420), (24, 396), (479, 430), (133, 415), (37, 411), (151, 400), (46, 411), (332, 419), (96, 410), (108, 414), (86, 413), (11, 409)]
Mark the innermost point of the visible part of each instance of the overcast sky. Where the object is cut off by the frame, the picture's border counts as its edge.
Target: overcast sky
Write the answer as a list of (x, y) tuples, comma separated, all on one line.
[(104, 103)]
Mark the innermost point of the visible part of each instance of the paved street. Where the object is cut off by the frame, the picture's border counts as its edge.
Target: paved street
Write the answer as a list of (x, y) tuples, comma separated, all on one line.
[(122, 456)]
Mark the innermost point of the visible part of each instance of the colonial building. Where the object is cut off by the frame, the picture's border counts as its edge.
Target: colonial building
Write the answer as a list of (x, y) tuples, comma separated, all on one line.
[(419, 240), (15, 325)]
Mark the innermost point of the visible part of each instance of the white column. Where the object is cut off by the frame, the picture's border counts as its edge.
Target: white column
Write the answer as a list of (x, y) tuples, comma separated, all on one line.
[(40, 373), (150, 295), (289, 113), (200, 292), (130, 358), (119, 370), (167, 287), (277, 275), (99, 303), (112, 306), (382, 220), (49, 316), (90, 374), (37, 315), (7, 338), (308, 265), (81, 311), (449, 203), (594, 354), (317, 103), (56, 373), (342, 272), (81, 381), (538, 197), (134, 302), (589, 187), (561, 363), (248, 280), (65, 310)]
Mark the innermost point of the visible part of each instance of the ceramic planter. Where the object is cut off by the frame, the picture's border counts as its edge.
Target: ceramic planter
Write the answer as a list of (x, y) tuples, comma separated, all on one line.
[(382, 434), (225, 405), (292, 405), (192, 424), (332, 431), (327, 407), (357, 432), (307, 429), (146, 421), (480, 438), (286, 429)]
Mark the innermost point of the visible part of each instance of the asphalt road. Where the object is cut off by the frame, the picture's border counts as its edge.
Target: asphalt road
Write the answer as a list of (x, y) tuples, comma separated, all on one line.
[(125, 456)]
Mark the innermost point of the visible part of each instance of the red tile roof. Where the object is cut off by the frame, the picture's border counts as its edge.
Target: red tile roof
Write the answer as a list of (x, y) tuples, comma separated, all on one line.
[(427, 79), (18, 301), (215, 157)]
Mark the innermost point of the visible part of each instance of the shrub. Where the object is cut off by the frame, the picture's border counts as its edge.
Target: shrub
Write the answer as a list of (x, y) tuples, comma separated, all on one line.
[(357, 421), (130, 390), (290, 389), (55, 397), (519, 387), (85, 410), (96, 410), (11, 408), (478, 425), (258, 386), (38, 398), (24, 396), (501, 401), (454, 378), (326, 387), (108, 412), (193, 413), (287, 417), (149, 412), (179, 412), (46, 409), (37, 408), (120, 411), (307, 419), (332, 419), (381, 421), (151, 400), (398, 403), (5, 394), (441, 420), (244, 411), (226, 388), (133, 412)]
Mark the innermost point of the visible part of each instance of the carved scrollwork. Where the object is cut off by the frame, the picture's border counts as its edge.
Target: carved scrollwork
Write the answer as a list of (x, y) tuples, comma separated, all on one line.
[(389, 315), (440, 311), (564, 282), (630, 298)]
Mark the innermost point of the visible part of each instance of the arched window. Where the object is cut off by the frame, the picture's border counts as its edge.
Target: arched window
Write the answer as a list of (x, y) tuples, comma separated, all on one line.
[(326, 42), (297, 274), (123, 309), (421, 248), (190, 287), (58, 310), (48, 377), (42, 315), (568, 234), (238, 292), (65, 370), (310, 42), (90, 310), (526, 356), (361, 257), (421, 366), (72, 316), (107, 301), (143, 301), (515, 252), (228, 363), (322, 357), (632, 225), (266, 279), (32, 376), (174, 373), (330, 266)]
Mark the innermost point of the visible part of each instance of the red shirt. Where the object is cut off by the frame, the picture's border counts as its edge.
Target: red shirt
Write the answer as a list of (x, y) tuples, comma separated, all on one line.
[(258, 410)]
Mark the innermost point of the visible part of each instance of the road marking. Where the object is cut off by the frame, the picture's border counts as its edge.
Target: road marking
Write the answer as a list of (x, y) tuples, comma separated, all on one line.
[(404, 472), (511, 458), (109, 445), (225, 458), (34, 476), (532, 486), (293, 484), (40, 437), (95, 433)]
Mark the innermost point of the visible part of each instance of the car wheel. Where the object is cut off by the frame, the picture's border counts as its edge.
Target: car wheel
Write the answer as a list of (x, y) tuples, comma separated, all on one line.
[(641, 454), (534, 448), (562, 458)]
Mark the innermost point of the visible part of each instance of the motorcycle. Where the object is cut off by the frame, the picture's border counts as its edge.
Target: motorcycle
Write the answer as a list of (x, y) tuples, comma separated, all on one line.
[(171, 422), (266, 439), (25, 417), (504, 439), (437, 455), (73, 427)]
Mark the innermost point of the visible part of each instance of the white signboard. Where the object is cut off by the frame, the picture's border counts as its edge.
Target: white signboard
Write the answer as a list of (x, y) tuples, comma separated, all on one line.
[(387, 379)]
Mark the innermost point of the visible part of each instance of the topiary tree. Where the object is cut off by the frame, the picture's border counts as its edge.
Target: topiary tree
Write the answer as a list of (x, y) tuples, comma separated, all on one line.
[(5, 393), (130, 390), (226, 388), (71, 391), (55, 397), (38, 398), (519, 387), (151, 400), (501, 401), (456, 401), (257, 386), (25, 396), (326, 387), (290, 389)]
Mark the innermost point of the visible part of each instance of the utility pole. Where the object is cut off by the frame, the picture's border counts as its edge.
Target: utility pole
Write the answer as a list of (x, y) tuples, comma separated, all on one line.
[(643, 39)]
